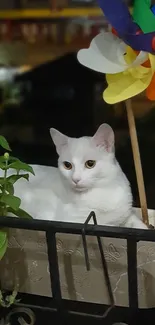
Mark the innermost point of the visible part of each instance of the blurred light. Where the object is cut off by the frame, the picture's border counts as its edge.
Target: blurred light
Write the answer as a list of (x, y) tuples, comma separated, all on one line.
[(8, 73)]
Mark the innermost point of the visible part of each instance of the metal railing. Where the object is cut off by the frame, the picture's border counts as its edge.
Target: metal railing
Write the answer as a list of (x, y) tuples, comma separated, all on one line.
[(64, 310)]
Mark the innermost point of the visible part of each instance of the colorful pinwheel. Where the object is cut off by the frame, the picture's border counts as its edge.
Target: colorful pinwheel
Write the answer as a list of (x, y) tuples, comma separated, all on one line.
[(126, 57)]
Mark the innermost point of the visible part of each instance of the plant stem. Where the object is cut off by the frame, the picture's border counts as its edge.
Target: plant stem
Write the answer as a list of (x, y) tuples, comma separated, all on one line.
[(5, 176), (4, 208)]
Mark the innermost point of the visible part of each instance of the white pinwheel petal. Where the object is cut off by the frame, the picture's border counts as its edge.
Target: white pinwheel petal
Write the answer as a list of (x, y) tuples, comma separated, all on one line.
[(103, 55), (106, 55)]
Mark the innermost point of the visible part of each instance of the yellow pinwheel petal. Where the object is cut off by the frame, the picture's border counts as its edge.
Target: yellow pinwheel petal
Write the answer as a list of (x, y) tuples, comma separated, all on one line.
[(122, 86), (130, 55)]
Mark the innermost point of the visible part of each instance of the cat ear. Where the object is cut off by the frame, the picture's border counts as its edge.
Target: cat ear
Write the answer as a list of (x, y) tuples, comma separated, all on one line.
[(60, 140), (104, 137)]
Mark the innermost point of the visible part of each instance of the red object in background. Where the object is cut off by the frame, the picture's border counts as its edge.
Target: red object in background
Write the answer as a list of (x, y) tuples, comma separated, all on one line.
[(9, 30), (139, 32), (3, 30), (17, 31), (6, 30), (114, 31), (153, 43)]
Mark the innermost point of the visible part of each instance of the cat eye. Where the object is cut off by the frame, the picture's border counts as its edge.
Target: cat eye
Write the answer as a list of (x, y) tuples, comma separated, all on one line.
[(90, 164), (67, 165)]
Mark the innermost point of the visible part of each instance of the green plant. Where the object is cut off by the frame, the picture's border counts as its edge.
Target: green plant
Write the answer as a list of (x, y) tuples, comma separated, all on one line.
[(8, 300), (9, 203)]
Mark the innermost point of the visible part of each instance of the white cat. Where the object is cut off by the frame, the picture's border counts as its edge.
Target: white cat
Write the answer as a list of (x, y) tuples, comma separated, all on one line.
[(88, 178)]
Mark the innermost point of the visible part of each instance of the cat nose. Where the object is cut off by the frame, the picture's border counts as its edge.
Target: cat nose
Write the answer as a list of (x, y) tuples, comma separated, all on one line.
[(76, 180)]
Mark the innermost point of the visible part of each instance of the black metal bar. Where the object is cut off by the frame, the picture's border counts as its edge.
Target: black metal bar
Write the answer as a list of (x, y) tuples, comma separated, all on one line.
[(132, 273), (53, 266), (91, 216), (103, 260), (105, 268), (85, 250), (76, 228)]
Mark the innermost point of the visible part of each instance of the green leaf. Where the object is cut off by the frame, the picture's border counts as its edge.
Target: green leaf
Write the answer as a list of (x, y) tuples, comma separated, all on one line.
[(3, 243), (10, 200), (9, 188), (20, 213), (3, 161), (11, 159), (14, 178), (4, 144), (11, 299), (19, 165), (2, 166)]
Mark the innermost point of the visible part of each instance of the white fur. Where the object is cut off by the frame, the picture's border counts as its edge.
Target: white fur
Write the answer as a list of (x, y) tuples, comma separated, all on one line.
[(70, 195)]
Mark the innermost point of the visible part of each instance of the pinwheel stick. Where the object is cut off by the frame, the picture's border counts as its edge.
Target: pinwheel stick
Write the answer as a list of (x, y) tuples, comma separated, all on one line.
[(137, 161)]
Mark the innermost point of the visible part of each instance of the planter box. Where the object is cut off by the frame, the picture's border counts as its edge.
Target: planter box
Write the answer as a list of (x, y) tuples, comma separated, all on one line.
[(26, 263)]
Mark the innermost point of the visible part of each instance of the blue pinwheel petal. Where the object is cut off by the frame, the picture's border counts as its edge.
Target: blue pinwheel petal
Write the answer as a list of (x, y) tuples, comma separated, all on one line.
[(141, 42), (118, 15)]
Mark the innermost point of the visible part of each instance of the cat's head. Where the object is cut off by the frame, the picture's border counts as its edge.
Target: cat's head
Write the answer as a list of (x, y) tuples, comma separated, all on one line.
[(87, 160)]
